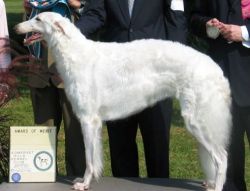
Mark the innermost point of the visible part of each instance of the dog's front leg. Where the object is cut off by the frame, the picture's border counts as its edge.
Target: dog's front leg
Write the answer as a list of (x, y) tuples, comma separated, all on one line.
[(91, 129)]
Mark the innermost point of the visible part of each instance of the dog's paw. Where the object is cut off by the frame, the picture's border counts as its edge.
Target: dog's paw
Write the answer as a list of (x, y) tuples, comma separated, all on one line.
[(78, 180), (210, 189), (80, 186), (209, 186)]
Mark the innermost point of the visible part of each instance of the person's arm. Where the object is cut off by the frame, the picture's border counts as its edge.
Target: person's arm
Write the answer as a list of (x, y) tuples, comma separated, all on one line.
[(230, 32), (5, 57), (176, 20), (75, 4), (200, 22), (92, 18), (235, 33), (27, 9), (77, 7), (200, 18)]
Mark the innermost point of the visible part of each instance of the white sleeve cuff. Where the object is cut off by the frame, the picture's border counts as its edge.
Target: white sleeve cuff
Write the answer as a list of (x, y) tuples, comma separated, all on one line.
[(244, 33), (245, 36), (177, 5)]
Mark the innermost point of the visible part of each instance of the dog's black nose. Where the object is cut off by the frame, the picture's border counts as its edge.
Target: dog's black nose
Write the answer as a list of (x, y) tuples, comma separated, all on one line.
[(16, 29)]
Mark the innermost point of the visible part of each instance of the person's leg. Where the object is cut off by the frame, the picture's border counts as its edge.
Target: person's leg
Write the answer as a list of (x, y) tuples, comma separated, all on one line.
[(248, 125), (236, 154), (123, 148), (46, 106), (74, 143), (155, 125)]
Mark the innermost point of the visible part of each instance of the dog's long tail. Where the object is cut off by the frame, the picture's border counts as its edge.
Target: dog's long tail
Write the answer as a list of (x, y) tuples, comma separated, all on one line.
[(207, 115), (208, 166), (221, 123)]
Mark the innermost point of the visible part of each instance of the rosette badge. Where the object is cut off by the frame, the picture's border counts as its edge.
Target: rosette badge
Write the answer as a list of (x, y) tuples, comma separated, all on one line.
[(16, 177)]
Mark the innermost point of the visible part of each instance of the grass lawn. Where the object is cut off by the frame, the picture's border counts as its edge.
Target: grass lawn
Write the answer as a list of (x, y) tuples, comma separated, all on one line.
[(184, 163), (183, 152)]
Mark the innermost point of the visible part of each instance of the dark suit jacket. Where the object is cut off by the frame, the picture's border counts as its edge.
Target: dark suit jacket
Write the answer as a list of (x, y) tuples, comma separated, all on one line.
[(150, 19), (46, 74), (233, 58)]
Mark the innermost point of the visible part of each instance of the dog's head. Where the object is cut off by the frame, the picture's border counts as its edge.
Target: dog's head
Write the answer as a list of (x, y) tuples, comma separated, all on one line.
[(44, 25)]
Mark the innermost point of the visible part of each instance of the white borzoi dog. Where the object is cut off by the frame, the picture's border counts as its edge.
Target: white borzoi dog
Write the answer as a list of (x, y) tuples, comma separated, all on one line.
[(108, 81)]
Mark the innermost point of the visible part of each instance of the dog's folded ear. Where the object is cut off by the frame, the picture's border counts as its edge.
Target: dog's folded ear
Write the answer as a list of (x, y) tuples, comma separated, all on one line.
[(59, 26)]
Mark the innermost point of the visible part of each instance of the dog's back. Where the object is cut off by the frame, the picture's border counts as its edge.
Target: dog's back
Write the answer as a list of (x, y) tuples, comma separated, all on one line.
[(132, 76)]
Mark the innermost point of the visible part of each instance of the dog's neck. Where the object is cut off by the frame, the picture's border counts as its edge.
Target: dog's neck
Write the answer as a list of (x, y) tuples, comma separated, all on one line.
[(65, 46)]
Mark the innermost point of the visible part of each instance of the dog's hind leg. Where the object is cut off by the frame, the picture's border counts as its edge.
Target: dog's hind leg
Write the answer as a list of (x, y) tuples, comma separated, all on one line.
[(91, 129)]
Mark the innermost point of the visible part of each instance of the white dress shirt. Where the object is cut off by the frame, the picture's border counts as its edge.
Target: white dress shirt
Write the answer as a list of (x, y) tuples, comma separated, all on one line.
[(245, 36)]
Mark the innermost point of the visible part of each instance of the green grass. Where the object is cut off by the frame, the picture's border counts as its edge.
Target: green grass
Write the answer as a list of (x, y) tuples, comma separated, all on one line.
[(183, 150), (14, 6)]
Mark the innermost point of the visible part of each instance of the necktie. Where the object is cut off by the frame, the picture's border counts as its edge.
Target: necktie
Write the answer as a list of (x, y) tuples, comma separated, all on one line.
[(130, 6), (245, 6)]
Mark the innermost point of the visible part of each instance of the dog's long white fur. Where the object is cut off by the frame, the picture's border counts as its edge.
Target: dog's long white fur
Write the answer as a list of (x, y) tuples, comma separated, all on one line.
[(108, 81)]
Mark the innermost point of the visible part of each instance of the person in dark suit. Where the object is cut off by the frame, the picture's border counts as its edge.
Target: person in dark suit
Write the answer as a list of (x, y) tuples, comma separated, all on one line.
[(125, 21), (225, 24)]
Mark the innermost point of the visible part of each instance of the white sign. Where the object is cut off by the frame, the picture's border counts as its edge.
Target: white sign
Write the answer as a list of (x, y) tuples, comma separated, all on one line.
[(32, 154)]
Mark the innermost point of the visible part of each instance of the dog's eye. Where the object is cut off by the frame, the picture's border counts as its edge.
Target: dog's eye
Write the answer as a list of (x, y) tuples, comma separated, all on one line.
[(38, 19)]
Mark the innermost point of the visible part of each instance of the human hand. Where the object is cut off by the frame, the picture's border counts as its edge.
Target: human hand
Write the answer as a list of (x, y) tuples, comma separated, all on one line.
[(76, 4), (213, 22), (27, 7), (232, 33)]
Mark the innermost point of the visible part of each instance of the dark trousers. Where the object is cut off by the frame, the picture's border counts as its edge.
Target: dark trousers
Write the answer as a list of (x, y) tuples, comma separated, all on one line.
[(236, 160), (154, 124), (50, 106)]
